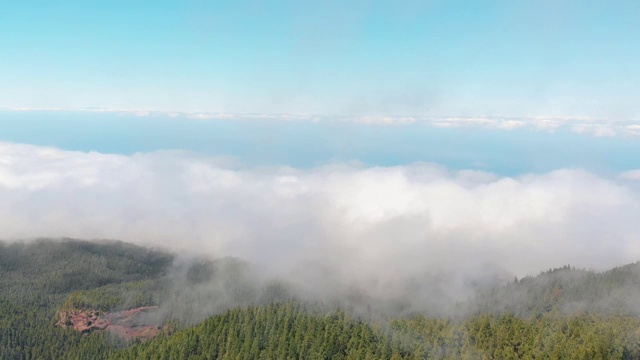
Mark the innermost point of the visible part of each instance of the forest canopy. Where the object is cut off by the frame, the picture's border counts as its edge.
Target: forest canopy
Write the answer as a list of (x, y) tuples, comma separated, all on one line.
[(217, 309)]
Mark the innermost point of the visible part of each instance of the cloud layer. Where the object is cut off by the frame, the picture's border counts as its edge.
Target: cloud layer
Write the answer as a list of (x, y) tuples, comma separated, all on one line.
[(598, 127), (377, 227)]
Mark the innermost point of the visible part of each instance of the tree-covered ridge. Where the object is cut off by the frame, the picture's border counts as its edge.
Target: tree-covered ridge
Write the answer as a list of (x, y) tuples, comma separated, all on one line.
[(37, 277), (62, 266), (115, 297), (563, 313), (284, 331), (289, 331), (566, 290)]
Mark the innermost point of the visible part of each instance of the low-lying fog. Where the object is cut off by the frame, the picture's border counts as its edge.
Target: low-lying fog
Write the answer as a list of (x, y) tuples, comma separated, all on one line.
[(337, 228)]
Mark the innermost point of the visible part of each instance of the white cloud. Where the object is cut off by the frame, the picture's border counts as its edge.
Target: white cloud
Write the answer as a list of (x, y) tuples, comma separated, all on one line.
[(582, 125), (383, 120), (599, 130), (633, 129), (382, 223), (633, 175), (378, 229), (512, 124)]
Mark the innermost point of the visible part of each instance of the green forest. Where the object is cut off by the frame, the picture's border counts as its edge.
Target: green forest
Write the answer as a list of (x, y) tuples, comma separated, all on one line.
[(562, 313)]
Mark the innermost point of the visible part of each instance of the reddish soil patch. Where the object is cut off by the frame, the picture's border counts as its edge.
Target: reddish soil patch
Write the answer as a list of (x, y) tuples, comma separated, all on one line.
[(128, 324)]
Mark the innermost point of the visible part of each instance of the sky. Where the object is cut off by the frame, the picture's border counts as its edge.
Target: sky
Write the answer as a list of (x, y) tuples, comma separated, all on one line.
[(407, 57), (380, 142)]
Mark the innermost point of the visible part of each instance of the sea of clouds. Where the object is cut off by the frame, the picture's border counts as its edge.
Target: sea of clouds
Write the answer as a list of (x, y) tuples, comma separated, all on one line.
[(382, 228)]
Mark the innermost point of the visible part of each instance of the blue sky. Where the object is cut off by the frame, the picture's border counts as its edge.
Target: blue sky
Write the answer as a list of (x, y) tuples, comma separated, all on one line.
[(462, 58)]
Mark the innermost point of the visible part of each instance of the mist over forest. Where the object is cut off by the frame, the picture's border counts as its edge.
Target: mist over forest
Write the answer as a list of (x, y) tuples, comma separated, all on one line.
[(50, 285)]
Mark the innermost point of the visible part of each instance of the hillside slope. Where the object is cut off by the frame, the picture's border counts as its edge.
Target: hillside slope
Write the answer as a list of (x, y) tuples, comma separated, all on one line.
[(37, 277), (568, 291), (561, 313)]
